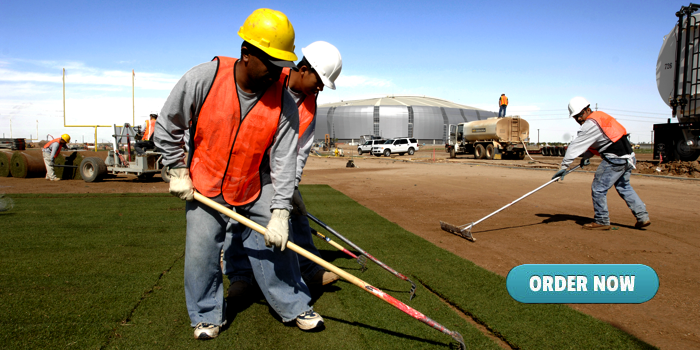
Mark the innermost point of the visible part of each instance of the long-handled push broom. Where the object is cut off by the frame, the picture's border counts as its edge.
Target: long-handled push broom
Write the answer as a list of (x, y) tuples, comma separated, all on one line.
[(466, 230), (330, 267)]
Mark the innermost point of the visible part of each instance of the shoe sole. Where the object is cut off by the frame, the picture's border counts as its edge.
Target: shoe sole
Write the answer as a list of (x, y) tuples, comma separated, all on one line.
[(642, 225), (318, 324)]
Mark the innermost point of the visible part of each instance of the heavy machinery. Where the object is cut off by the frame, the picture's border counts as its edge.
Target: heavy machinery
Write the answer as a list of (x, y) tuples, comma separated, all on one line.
[(490, 138), (677, 79), (121, 162)]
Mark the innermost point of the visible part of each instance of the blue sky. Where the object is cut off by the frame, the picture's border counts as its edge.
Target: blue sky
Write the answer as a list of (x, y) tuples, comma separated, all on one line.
[(539, 53)]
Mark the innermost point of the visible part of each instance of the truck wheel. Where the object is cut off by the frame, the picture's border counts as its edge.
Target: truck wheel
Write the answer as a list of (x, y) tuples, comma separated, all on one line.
[(479, 152), (387, 153), (489, 152), (453, 153), (92, 169), (544, 151), (359, 151), (683, 152), (411, 151), (164, 175)]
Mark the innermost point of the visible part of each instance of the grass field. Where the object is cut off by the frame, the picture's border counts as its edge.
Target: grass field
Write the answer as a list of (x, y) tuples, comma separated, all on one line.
[(105, 272)]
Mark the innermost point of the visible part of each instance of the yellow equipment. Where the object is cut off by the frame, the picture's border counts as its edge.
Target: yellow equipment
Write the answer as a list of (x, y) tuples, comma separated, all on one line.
[(270, 31)]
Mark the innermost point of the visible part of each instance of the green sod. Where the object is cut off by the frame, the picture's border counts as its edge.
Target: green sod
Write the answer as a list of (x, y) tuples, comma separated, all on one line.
[(105, 271)]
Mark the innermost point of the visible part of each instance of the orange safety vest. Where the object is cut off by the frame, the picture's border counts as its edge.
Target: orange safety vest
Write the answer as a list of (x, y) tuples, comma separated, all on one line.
[(307, 109), (150, 128), (503, 100), (228, 149), (60, 145), (610, 127)]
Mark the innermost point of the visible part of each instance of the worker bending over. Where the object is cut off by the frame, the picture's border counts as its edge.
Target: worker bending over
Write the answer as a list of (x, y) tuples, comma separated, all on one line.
[(50, 152), (320, 66), (243, 131), (601, 134)]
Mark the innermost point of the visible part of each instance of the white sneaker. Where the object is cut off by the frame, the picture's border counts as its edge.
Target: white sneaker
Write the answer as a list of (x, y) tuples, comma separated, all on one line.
[(205, 331), (309, 320)]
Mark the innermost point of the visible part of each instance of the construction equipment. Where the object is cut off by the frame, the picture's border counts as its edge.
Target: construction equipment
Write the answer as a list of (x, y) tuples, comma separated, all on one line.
[(330, 267), (466, 230), (348, 242), (676, 79), (489, 139), (362, 260), (143, 166)]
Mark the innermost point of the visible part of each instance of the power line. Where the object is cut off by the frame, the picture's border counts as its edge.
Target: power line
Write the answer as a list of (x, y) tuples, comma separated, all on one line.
[(624, 110)]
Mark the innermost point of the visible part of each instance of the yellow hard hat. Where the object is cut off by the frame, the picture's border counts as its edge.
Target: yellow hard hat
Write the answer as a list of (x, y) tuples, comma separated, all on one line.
[(270, 31), (66, 138)]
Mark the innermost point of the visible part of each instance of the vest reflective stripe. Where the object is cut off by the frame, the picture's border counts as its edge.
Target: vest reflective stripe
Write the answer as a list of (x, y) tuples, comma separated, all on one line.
[(60, 145), (227, 151), (307, 109), (150, 128), (610, 127), (503, 100)]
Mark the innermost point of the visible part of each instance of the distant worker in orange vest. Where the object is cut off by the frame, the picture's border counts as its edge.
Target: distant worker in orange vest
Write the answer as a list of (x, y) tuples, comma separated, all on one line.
[(147, 139), (319, 67), (602, 135), (243, 134), (50, 151), (502, 104)]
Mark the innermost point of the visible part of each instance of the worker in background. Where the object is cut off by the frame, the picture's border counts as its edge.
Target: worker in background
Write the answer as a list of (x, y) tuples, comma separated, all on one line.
[(243, 128), (50, 151), (502, 104), (601, 134), (147, 139), (320, 66)]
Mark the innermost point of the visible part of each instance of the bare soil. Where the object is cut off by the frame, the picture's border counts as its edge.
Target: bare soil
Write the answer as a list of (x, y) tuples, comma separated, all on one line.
[(418, 192)]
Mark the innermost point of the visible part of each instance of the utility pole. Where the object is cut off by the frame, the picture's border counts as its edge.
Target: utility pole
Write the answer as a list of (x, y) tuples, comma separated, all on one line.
[(596, 107), (538, 136)]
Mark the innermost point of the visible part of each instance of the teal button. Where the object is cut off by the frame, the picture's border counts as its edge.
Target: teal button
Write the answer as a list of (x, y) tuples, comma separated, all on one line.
[(582, 283)]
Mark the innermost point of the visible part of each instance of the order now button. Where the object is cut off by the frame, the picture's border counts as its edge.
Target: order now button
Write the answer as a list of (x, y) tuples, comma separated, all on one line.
[(582, 283)]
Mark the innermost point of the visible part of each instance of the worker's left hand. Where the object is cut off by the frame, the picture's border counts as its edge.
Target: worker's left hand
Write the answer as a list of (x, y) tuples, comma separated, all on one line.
[(560, 174), (181, 184), (298, 206), (277, 231), (585, 161)]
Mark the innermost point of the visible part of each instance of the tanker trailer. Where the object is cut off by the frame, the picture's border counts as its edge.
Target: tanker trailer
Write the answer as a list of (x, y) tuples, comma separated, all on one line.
[(487, 138), (677, 80)]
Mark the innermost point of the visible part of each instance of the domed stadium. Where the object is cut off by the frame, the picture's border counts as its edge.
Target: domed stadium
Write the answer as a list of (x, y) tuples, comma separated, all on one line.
[(424, 118)]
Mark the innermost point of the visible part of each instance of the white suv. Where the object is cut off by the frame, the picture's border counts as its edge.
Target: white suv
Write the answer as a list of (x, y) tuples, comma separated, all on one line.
[(400, 145), (367, 146)]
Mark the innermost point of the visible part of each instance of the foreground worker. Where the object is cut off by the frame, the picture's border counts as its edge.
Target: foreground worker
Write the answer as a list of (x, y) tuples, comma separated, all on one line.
[(601, 134), (147, 140), (242, 127), (502, 105), (320, 66), (50, 152)]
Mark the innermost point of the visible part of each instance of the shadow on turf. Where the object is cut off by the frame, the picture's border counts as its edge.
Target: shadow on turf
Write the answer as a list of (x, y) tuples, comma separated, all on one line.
[(549, 218), (386, 331)]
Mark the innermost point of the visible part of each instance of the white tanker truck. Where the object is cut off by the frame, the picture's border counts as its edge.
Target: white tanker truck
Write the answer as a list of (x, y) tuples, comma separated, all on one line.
[(487, 138), (678, 86)]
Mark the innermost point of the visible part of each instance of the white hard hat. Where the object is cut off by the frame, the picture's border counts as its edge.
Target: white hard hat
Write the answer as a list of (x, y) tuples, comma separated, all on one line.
[(576, 105), (325, 59)]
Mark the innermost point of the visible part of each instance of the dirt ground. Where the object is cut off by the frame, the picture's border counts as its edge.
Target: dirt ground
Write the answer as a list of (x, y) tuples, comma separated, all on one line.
[(418, 192)]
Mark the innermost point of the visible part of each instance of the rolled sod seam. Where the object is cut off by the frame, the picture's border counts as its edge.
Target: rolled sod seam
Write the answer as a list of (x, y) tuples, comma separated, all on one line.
[(330, 267)]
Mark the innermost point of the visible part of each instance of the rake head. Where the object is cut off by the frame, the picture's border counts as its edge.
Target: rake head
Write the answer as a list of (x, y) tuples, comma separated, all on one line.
[(413, 290), (458, 344), (362, 260), (465, 232)]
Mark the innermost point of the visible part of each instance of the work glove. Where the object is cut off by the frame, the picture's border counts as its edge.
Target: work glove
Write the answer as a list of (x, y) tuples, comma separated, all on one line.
[(298, 206), (560, 174), (52, 162), (277, 231), (181, 184), (585, 161)]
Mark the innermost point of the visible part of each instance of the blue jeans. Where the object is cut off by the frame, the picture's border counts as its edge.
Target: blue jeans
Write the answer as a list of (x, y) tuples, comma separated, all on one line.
[(276, 272), (615, 171), (237, 265), (502, 111)]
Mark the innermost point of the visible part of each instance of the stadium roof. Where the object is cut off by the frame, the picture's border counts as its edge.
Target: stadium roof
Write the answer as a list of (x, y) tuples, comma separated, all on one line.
[(393, 100)]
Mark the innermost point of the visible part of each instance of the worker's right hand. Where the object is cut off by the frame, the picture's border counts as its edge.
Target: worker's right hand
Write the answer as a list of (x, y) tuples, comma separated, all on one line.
[(277, 231), (181, 184), (560, 174)]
